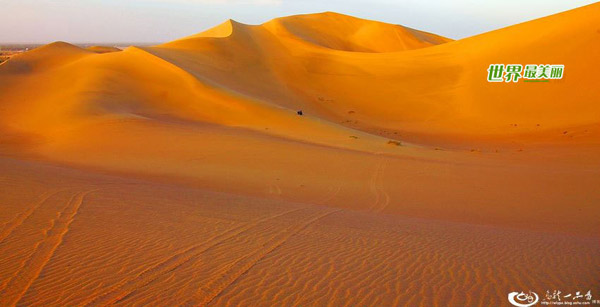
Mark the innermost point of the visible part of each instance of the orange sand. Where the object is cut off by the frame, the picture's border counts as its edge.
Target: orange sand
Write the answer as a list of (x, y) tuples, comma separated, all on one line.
[(103, 49), (181, 174)]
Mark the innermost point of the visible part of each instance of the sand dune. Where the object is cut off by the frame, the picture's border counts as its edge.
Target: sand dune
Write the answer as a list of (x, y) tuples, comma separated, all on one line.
[(327, 30), (182, 174), (103, 49), (43, 58)]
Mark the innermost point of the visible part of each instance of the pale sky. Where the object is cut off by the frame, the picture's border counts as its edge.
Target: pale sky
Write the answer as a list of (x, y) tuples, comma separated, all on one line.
[(113, 21)]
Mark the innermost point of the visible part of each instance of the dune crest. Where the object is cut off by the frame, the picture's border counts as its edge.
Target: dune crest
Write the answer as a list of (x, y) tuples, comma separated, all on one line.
[(103, 49), (332, 31), (346, 33)]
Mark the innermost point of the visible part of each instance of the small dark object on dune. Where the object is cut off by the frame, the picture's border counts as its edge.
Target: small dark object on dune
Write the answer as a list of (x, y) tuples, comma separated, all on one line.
[(300, 112)]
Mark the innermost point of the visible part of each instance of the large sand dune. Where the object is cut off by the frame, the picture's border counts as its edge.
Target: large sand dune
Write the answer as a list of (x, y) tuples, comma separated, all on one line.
[(182, 174)]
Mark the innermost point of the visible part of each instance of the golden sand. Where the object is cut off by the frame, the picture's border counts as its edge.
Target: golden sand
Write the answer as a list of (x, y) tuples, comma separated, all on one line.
[(182, 174)]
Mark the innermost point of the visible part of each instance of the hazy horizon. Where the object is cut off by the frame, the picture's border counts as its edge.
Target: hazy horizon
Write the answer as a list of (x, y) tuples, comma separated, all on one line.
[(112, 22)]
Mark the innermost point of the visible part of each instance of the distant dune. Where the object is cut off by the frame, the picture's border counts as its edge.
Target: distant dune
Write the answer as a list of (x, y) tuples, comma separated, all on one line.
[(328, 30), (103, 49), (183, 173)]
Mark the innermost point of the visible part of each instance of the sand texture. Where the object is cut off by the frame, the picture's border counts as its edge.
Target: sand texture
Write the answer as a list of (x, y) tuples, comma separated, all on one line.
[(182, 174)]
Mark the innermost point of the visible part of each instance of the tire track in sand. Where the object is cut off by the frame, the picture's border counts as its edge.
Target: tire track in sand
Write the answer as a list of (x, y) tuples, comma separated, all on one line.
[(127, 287), (18, 220), (36, 244), (22, 280), (275, 189), (382, 198), (234, 271), (207, 295)]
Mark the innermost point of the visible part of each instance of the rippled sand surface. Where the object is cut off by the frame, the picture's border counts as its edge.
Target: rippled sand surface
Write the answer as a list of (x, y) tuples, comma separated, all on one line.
[(76, 239)]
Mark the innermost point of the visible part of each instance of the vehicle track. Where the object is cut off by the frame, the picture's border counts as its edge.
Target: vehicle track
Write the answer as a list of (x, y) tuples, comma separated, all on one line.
[(234, 271), (18, 285), (120, 291)]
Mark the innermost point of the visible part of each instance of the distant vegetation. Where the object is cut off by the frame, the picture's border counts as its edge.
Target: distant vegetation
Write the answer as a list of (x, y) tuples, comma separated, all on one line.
[(5, 53)]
